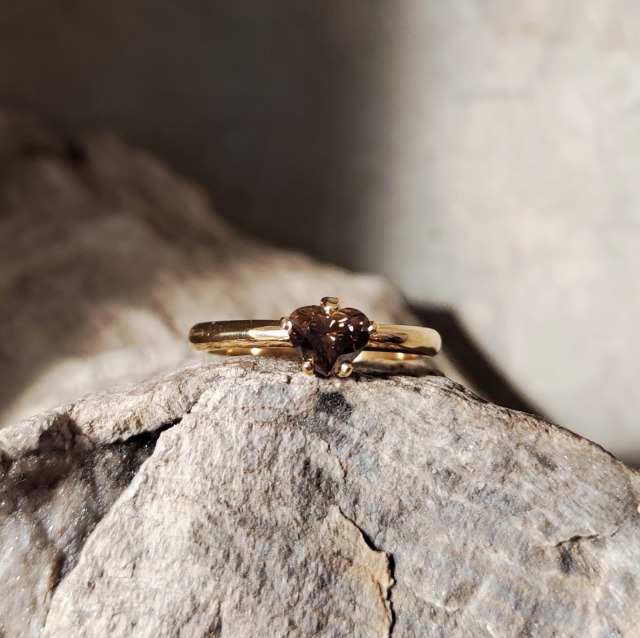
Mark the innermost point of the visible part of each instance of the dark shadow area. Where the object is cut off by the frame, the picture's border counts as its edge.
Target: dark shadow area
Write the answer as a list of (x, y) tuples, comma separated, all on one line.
[(472, 362), (477, 366), (279, 109), (274, 107), (35, 483), (71, 258)]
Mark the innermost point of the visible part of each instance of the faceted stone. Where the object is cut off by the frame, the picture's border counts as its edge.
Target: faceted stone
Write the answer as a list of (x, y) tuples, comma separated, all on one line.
[(331, 338)]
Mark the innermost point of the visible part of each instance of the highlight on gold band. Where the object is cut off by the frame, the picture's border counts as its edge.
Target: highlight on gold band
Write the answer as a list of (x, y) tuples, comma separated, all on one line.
[(327, 338)]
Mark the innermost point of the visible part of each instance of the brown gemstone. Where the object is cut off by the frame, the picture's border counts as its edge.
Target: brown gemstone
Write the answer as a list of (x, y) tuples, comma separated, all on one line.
[(332, 338)]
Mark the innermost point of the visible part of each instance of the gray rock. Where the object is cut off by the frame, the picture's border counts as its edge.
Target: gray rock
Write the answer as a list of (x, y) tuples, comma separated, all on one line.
[(107, 258), (240, 497)]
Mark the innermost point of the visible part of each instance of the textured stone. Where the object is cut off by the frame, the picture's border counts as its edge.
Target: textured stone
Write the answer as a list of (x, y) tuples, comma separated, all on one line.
[(241, 497), (107, 258)]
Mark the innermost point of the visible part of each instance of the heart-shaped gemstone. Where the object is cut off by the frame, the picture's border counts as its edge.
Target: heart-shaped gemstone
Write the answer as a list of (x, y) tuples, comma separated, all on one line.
[(330, 336)]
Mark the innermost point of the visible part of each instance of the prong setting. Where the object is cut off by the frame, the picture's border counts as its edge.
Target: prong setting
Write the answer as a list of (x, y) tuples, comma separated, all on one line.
[(308, 366), (345, 370), (373, 328), (327, 337), (285, 324), (330, 304)]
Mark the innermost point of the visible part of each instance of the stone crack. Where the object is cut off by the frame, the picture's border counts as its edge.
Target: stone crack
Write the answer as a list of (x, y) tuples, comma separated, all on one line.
[(385, 591)]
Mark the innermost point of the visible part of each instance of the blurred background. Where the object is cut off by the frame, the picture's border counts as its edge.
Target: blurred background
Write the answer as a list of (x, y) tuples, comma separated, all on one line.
[(482, 156)]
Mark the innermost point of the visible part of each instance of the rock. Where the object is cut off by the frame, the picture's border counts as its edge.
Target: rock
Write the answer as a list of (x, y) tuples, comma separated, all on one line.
[(107, 258), (240, 497)]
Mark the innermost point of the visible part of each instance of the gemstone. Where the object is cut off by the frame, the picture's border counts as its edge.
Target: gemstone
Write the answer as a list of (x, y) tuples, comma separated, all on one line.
[(330, 336)]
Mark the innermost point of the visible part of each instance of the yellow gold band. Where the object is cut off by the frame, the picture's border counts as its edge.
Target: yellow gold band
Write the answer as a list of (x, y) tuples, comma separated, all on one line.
[(327, 338), (268, 337)]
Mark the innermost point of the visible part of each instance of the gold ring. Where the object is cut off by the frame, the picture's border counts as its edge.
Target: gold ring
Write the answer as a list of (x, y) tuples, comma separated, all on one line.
[(329, 339)]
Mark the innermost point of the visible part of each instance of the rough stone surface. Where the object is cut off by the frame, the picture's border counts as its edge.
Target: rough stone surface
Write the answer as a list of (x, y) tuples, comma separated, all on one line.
[(490, 151), (241, 497), (107, 258)]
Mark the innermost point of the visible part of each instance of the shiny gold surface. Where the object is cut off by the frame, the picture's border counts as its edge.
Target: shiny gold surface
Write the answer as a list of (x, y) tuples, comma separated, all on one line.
[(329, 340), (267, 337)]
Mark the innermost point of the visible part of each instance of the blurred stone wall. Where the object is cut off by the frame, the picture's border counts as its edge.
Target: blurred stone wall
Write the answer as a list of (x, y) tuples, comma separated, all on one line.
[(483, 155)]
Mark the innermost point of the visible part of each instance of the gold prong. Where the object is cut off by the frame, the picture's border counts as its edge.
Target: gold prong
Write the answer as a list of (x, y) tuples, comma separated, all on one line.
[(307, 366), (330, 304), (373, 327), (285, 324), (345, 370)]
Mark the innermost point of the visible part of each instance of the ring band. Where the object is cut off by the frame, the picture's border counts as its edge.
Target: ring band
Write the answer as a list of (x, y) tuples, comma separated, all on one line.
[(326, 337)]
